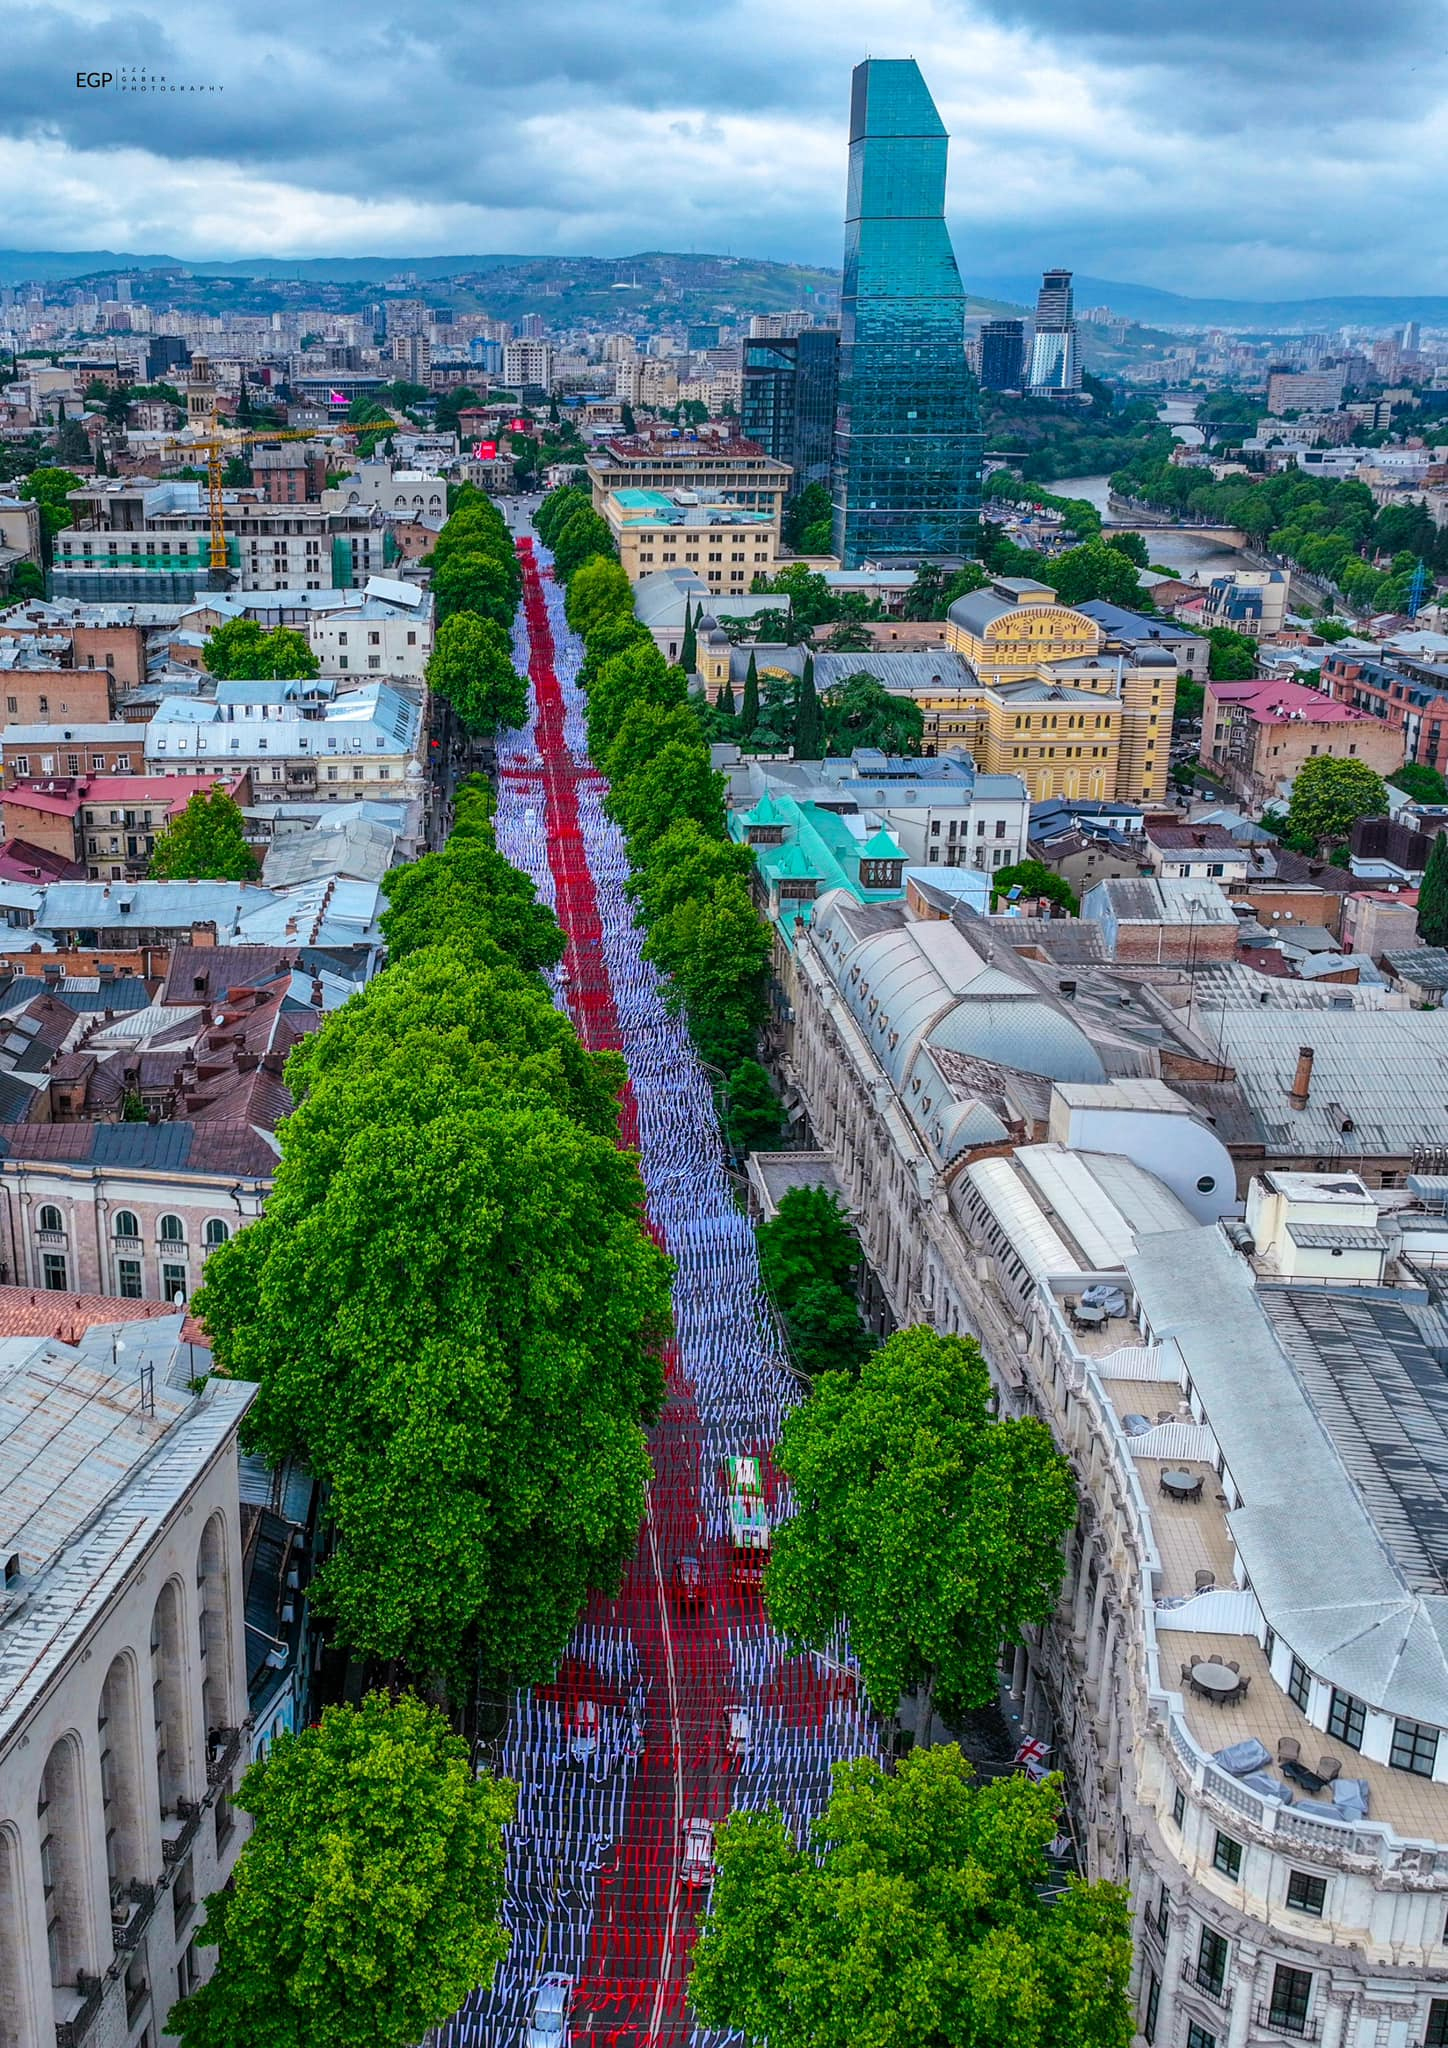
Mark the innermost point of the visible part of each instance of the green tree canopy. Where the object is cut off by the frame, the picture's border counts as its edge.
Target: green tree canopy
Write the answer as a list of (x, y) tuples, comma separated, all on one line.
[(458, 1334), (809, 1259), (473, 582), (471, 668), (1096, 570), (861, 712), (677, 783), (752, 1114), (684, 862), (578, 541), (809, 738), (366, 1904), (915, 1916), (637, 675), (715, 949), (644, 729), (1423, 784), (1329, 796), (239, 651), (1433, 895), (467, 895), (1232, 657), (27, 579), (933, 1529), (1034, 879), (599, 590), (807, 508), (206, 842), (48, 487)]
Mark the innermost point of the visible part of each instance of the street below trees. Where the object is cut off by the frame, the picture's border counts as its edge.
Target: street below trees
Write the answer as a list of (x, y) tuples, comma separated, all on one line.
[(676, 1702)]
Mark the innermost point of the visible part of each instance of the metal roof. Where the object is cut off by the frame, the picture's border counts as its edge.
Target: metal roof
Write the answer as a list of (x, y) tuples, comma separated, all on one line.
[(1384, 1071), (1332, 1417)]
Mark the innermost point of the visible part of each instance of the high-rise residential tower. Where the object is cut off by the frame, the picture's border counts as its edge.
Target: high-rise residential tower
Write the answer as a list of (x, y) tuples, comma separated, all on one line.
[(908, 445), (1055, 354), (1002, 354)]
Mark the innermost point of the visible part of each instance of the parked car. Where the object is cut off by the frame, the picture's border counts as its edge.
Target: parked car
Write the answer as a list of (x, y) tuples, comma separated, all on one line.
[(736, 1734), (548, 2025)]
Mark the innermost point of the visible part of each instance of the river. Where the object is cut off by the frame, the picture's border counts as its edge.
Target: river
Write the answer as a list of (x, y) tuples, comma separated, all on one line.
[(1191, 555)]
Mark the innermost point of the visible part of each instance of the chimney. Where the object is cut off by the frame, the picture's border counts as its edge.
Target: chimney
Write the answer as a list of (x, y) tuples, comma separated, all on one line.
[(1302, 1079)]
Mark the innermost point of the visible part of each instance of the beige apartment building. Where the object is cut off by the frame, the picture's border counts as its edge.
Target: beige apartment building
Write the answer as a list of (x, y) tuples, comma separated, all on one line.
[(123, 1679), (727, 545), (721, 469), (1249, 1594)]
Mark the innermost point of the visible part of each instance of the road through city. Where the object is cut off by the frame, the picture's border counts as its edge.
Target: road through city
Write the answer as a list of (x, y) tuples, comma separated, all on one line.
[(676, 1701)]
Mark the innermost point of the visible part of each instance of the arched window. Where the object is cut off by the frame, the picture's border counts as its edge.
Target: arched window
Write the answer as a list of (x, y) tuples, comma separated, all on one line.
[(214, 1627), (50, 1217), (118, 1728), (216, 1232), (168, 1681), (172, 1230), (14, 1999), (62, 1864), (125, 1224)]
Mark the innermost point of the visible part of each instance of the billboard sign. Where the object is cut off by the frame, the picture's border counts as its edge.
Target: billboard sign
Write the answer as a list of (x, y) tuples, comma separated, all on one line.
[(485, 451)]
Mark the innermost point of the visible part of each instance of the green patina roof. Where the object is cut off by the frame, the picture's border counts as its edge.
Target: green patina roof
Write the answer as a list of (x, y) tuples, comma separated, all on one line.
[(819, 847), (881, 847), (766, 812)]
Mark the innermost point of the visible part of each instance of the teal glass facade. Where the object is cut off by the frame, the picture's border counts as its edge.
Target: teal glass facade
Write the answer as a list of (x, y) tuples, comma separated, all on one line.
[(908, 443)]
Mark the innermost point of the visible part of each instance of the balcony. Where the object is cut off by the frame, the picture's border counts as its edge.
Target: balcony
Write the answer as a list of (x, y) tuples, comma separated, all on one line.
[(178, 1830), (223, 1747), (136, 1903), (80, 2007), (1278, 2020), (1209, 1987), (50, 1240)]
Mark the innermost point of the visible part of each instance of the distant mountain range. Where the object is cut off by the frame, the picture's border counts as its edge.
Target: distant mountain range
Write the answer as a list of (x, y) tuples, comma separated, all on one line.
[(1174, 309), (1161, 309)]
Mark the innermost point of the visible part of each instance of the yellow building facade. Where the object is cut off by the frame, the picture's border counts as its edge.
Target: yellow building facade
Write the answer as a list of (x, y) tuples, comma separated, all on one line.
[(1046, 697)]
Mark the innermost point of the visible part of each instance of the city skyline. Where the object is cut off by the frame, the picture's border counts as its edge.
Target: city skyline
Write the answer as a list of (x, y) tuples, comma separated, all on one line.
[(1147, 158)]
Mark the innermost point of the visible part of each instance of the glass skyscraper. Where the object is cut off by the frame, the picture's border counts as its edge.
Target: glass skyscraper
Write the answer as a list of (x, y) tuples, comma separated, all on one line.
[(787, 405), (908, 445)]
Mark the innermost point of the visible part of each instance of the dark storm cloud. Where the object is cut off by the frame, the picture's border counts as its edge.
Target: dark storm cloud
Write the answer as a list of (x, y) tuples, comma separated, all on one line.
[(1211, 145)]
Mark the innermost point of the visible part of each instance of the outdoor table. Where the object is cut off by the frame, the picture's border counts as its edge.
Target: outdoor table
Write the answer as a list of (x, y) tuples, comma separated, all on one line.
[(1180, 1483), (1215, 1680), (1301, 1775), (1089, 1318)]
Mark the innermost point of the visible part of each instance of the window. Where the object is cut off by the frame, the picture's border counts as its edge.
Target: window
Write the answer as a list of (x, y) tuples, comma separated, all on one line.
[(1227, 1856), (1435, 2034), (128, 1279), (172, 1230), (1200, 2037), (1152, 2007), (173, 1282), (51, 1218), (1291, 1991), (53, 1272), (1212, 1959), (1299, 1684), (1346, 1718), (1163, 1912), (183, 1896), (1178, 1805), (216, 1231), (1306, 1893), (1415, 1748)]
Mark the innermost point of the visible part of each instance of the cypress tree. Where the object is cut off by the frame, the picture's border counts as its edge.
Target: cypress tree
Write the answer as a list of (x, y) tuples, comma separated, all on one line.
[(1433, 895), (749, 709), (807, 738), (689, 652), (725, 700)]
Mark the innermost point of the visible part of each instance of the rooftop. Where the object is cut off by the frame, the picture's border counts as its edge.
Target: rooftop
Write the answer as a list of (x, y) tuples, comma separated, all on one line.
[(1273, 700)]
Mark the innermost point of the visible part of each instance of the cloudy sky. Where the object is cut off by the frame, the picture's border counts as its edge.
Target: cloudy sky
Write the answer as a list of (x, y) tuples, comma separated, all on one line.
[(1243, 147)]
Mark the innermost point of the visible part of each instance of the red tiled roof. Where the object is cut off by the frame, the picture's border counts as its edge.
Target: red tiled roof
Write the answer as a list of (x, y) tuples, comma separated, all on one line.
[(36, 1312), (22, 862), (1269, 700)]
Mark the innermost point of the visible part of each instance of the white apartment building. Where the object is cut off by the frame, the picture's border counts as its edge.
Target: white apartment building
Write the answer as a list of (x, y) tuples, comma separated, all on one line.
[(365, 743), (123, 1677), (1246, 1683), (527, 362), (383, 629), (401, 493)]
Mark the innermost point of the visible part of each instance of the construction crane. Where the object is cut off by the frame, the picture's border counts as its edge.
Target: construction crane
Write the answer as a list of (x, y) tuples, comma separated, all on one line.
[(214, 446)]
